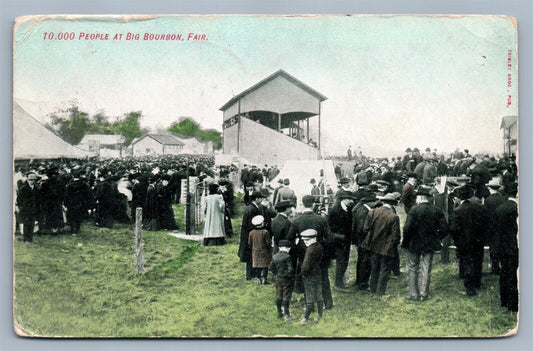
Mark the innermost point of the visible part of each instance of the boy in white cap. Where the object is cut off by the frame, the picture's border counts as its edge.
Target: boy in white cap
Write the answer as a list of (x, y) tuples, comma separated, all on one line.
[(260, 242), (310, 271)]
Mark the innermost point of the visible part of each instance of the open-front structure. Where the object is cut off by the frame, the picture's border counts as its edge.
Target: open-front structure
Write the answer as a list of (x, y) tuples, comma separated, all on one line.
[(273, 121)]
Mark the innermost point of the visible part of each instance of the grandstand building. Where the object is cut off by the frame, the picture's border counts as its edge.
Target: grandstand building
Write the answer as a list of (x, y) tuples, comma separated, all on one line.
[(273, 121)]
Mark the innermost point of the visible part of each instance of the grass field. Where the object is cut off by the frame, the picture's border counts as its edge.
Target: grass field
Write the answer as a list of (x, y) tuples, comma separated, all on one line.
[(86, 286)]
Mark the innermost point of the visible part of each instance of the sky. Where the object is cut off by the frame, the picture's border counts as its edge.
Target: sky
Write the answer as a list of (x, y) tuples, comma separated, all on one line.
[(392, 82)]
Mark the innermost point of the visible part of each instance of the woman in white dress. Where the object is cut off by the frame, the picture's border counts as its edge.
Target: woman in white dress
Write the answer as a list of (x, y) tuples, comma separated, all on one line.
[(214, 233)]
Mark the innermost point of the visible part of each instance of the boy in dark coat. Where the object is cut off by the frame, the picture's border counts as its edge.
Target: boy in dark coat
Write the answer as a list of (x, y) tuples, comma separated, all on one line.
[(283, 270), (311, 273)]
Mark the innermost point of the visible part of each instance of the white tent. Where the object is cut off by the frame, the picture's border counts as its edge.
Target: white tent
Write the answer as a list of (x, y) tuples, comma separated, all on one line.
[(32, 140), (300, 172)]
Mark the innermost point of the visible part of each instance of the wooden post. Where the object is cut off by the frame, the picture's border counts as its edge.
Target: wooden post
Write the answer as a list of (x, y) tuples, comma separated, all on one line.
[(188, 205), (139, 241), (307, 129), (319, 126)]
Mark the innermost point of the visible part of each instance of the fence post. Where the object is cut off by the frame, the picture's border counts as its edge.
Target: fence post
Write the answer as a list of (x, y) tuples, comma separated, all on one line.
[(139, 241)]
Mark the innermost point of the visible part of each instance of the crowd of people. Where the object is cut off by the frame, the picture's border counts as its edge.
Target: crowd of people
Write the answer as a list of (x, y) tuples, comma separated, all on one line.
[(463, 200), (56, 196), (467, 202)]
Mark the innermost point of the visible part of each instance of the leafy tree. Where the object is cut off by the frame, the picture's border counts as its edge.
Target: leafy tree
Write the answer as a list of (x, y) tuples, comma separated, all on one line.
[(188, 127), (72, 124)]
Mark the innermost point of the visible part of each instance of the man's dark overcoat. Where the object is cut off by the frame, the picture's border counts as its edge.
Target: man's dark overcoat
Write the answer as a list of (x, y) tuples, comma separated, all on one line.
[(382, 228), (424, 228), (249, 212)]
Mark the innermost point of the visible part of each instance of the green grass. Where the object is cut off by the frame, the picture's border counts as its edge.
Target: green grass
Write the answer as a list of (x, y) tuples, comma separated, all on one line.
[(86, 286)]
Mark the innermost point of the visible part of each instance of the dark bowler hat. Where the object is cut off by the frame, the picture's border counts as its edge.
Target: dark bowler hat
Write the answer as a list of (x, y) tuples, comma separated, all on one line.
[(464, 192), (284, 243), (369, 198), (424, 191), (286, 181), (280, 180), (283, 205), (312, 181), (308, 200), (344, 181), (416, 149), (408, 150), (257, 195)]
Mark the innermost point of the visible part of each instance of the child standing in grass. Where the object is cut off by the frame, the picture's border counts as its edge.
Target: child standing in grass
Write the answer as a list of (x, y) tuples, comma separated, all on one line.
[(260, 243), (310, 271), (283, 270)]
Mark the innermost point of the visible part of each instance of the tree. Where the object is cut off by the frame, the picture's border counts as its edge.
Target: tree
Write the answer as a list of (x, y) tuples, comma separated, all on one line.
[(71, 127), (188, 127), (72, 124)]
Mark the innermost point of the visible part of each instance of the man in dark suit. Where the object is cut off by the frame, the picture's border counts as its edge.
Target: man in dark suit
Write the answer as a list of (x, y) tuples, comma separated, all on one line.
[(29, 206), (468, 228), (409, 193), (382, 228), (340, 224), (310, 220), (507, 248), (249, 212), (492, 202), (78, 200), (281, 223), (359, 213), (423, 231)]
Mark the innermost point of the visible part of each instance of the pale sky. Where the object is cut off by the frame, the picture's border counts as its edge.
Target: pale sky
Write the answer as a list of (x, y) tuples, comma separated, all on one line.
[(392, 82)]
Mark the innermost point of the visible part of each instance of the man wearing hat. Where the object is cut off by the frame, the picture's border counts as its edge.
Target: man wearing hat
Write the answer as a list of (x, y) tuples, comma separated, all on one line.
[(340, 224), (408, 161), (423, 231), (492, 202), (29, 206), (311, 220), (78, 200), (286, 193), (468, 228), (275, 196), (359, 213), (281, 223), (51, 195), (382, 228), (282, 268), (249, 212), (506, 242), (315, 191), (409, 193)]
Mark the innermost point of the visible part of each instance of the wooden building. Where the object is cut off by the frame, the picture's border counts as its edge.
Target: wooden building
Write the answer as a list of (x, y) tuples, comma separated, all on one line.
[(270, 121)]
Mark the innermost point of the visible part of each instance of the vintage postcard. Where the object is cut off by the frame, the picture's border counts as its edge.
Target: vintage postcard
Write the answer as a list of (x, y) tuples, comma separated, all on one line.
[(241, 176)]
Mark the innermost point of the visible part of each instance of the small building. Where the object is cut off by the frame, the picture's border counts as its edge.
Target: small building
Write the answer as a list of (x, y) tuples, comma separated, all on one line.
[(104, 145), (270, 121), (156, 144), (193, 145), (510, 134)]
